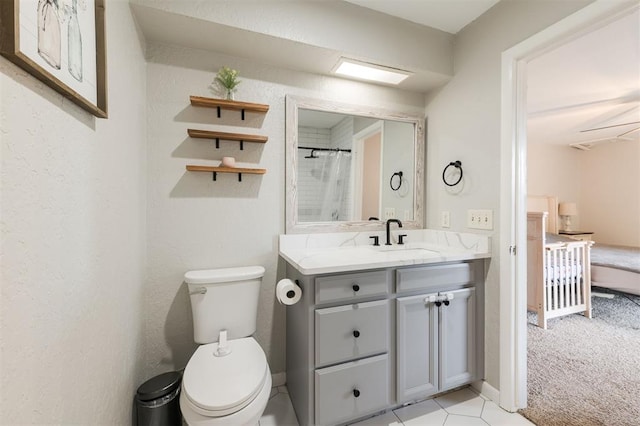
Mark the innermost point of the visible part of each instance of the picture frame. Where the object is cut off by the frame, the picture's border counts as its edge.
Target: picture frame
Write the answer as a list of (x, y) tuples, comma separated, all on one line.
[(61, 43)]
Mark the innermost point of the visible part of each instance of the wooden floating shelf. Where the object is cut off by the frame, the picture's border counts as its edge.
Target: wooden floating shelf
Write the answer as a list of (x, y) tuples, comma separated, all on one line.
[(220, 104), (218, 169), (207, 134)]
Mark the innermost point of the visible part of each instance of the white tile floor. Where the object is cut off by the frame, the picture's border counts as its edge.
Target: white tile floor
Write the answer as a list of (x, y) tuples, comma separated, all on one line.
[(461, 408)]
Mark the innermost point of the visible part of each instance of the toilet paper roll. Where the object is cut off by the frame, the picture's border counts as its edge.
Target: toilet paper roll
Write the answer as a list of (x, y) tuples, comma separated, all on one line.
[(288, 292)]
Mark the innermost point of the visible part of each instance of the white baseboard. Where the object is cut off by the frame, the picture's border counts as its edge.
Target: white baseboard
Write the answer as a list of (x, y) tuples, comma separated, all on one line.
[(487, 390), (278, 379)]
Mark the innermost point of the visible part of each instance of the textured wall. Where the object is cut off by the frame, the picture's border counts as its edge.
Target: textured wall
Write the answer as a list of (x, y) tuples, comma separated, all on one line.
[(195, 223), (73, 243), (464, 124)]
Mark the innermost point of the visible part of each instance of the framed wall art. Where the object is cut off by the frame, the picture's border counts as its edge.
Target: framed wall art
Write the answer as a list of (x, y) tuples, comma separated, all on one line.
[(62, 43)]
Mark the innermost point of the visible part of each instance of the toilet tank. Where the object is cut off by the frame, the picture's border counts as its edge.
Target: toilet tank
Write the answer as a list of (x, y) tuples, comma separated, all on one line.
[(224, 299)]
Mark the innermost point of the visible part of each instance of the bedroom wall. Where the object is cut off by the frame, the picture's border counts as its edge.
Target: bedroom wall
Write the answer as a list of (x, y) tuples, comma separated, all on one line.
[(604, 182), (463, 123), (556, 170), (610, 195), (73, 243)]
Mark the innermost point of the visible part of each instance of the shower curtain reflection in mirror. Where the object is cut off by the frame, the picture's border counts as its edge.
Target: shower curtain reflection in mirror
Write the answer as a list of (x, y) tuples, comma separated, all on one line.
[(326, 177)]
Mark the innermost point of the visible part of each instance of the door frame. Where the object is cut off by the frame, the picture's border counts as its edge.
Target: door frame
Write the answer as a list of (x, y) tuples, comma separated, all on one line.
[(513, 188), (357, 165)]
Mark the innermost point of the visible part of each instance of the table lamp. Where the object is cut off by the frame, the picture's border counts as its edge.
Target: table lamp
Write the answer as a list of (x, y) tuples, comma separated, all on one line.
[(566, 210)]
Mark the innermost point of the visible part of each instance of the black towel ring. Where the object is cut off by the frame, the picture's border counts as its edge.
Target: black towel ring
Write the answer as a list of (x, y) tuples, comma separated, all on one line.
[(399, 174), (458, 165)]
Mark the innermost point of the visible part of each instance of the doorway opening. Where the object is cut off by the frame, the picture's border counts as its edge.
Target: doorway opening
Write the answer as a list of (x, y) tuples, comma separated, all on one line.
[(513, 269)]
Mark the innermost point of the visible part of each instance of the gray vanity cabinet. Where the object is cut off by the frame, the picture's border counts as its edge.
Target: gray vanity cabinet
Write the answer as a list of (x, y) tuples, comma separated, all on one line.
[(435, 345), (338, 346), (359, 343)]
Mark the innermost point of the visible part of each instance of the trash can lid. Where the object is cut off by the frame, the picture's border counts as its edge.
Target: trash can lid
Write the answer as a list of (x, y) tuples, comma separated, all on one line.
[(159, 386)]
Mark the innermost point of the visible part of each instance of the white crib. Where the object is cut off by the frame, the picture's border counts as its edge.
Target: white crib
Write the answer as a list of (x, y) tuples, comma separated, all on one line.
[(558, 274)]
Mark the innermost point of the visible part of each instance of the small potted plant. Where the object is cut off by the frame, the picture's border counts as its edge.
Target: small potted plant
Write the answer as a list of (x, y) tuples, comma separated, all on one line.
[(227, 81)]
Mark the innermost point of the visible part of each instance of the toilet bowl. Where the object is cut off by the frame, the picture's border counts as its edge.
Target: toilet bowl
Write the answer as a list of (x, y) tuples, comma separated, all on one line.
[(227, 381), (228, 390)]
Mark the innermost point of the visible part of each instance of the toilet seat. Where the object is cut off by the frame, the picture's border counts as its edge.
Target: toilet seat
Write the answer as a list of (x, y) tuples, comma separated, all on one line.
[(217, 386)]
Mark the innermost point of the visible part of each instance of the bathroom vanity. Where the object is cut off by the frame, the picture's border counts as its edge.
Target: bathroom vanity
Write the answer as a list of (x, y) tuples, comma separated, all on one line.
[(379, 327)]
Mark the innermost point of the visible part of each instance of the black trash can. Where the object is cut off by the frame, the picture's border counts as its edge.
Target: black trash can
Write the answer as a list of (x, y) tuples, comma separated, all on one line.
[(158, 401)]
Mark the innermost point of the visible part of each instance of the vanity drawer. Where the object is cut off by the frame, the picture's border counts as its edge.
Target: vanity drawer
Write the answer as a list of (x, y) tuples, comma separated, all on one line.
[(410, 279), (344, 287), (350, 390), (351, 331)]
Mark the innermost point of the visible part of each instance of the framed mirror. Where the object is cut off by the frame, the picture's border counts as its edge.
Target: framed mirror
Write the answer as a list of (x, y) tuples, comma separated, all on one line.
[(350, 168)]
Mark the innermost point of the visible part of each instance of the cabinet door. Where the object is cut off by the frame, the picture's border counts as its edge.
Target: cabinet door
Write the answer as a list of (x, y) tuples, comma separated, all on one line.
[(458, 339), (416, 340)]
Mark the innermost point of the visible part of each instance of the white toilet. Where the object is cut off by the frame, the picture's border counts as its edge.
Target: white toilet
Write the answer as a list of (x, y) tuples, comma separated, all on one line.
[(227, 381)]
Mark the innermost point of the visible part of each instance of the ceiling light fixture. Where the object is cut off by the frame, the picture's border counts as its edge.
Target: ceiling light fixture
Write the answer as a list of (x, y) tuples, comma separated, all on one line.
[(371, 72)]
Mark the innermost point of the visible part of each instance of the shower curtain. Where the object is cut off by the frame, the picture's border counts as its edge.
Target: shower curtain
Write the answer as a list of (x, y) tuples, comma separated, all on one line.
[(333, 172)]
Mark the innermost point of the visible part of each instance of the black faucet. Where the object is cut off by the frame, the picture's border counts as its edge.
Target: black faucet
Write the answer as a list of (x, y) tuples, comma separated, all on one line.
[(388, 243)]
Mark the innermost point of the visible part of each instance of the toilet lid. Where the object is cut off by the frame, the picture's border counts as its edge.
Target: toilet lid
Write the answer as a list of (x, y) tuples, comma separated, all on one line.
[(220, 383)]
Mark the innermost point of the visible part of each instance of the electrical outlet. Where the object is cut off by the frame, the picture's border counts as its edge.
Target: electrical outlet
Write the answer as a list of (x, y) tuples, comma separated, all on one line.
[(389, 213), (480, 219), (445, 220)]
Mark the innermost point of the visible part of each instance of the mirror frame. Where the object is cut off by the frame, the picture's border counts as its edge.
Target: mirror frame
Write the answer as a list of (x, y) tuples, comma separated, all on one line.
[(295, 103)]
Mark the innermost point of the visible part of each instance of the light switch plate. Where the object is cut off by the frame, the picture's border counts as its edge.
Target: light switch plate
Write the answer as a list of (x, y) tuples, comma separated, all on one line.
[(445, 219), (480, 219)]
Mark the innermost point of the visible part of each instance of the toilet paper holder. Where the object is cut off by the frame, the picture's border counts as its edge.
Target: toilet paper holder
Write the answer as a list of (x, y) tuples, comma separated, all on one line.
[(288, 291), (292, 293)]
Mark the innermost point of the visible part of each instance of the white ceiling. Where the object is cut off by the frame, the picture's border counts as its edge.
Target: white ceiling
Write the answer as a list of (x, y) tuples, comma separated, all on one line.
[(584, 93), (446, 15), (589, 83)]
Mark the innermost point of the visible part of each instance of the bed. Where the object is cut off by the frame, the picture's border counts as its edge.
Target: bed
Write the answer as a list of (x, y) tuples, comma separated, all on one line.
[(558, 269), (616, 268)]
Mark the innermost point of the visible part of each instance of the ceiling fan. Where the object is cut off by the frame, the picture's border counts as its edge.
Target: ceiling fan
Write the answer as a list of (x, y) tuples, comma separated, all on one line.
[(587, 145)]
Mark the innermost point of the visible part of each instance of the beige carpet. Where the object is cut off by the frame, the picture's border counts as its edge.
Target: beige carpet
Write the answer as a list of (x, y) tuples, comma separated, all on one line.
[(586, 372)]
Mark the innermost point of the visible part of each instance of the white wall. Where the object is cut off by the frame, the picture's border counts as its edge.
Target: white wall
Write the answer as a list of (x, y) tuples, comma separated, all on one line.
[(73, 243), (604, 183), (463, 123), (195, 223), (555, 170), (610, 193)]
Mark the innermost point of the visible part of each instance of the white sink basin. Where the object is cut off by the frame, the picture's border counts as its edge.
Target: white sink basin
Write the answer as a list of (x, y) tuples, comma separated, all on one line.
[(405, 248), (411, 253)]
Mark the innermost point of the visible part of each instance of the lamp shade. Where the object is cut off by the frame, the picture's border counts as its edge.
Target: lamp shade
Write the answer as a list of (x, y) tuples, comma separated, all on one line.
[(567, 209)]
